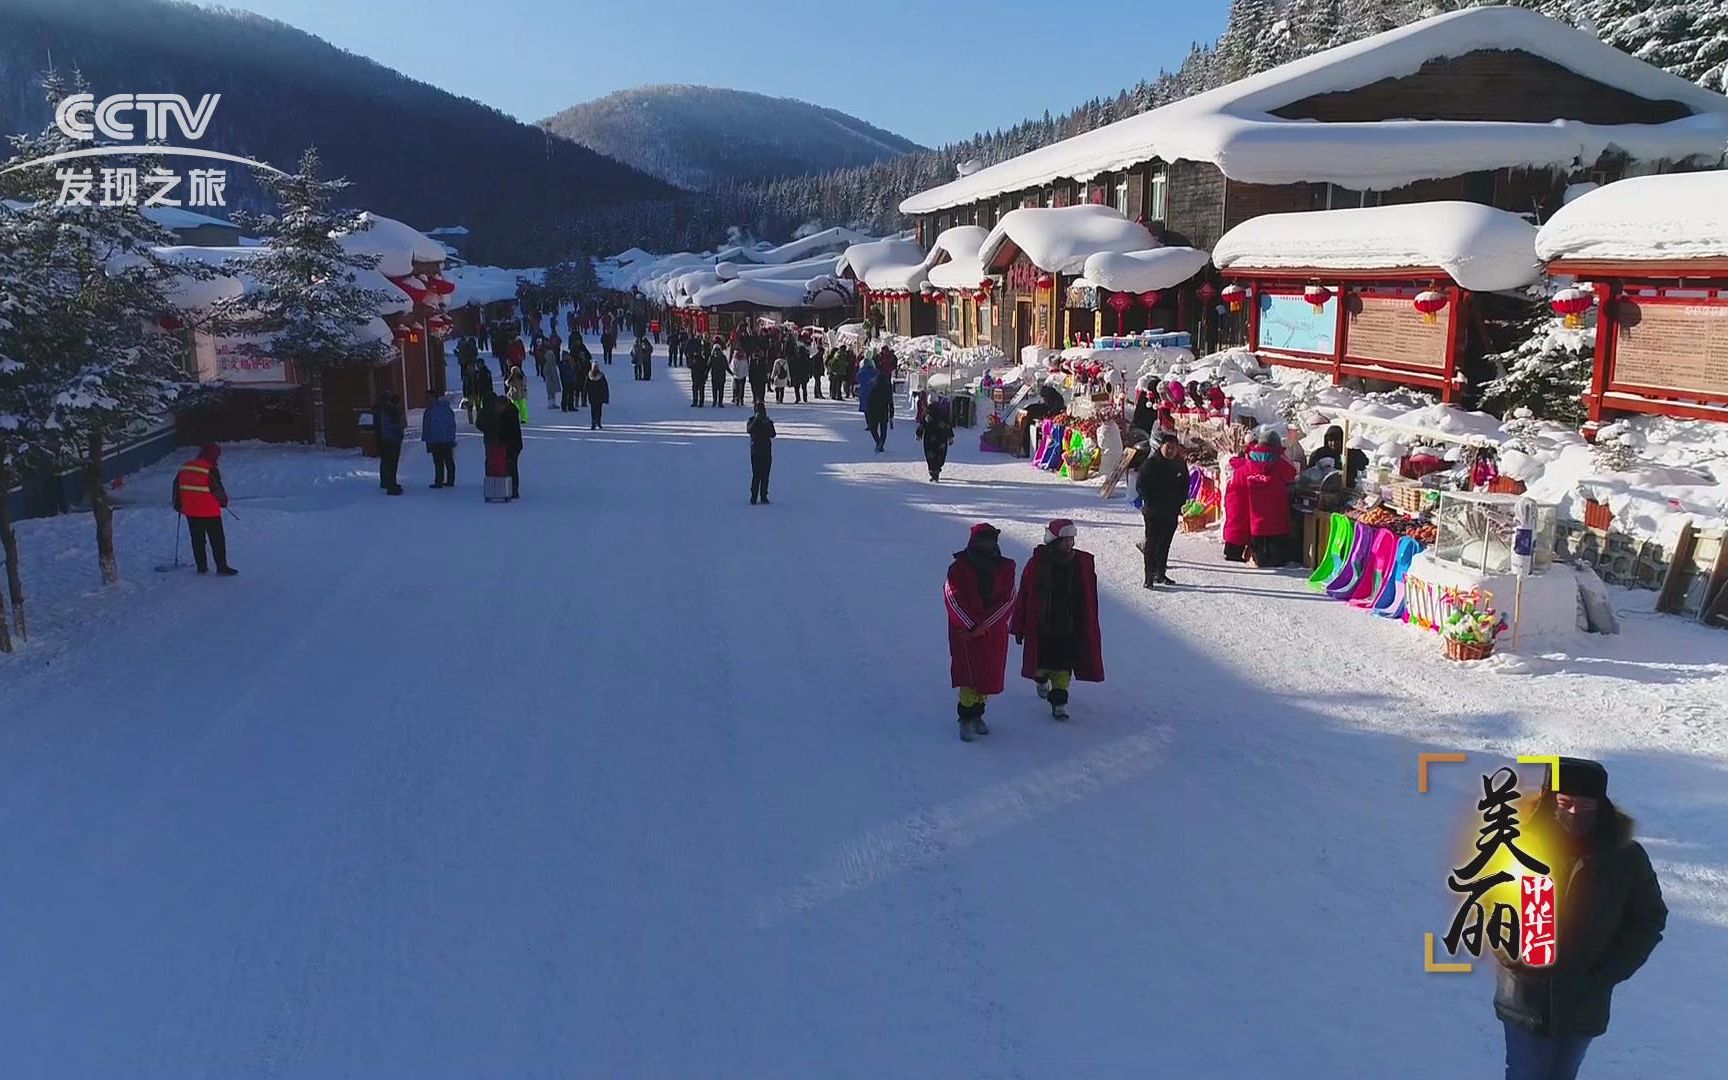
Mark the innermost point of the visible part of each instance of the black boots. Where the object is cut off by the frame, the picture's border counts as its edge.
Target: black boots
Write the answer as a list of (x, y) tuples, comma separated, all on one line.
[(971, 721)]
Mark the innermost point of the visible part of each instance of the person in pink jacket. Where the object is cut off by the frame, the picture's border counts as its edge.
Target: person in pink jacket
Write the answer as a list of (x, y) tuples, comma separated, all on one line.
[(1237, 532), (1268, 477)]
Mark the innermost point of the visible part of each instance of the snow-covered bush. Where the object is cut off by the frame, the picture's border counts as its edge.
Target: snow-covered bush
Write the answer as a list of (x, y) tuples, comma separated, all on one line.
[(1549, 368)]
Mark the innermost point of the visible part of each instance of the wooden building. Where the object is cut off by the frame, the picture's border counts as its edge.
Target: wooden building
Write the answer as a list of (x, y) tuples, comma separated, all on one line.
[(1497, 106), (1390, 295), (1651, 256)]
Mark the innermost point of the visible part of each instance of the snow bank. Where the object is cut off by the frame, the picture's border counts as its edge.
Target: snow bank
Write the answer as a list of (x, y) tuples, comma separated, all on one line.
[(1233, 127), (1672, 216), (397, 246), (1480, 247), (1144, 271), (1061, 238)]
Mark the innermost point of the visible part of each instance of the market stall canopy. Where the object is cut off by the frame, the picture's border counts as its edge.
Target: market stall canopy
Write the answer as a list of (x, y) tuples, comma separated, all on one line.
[(1645, 219), (1235, 127), (397, 246), (1143, 271), (953, 262), (1479, 247), (894, 263), (1061, 238)]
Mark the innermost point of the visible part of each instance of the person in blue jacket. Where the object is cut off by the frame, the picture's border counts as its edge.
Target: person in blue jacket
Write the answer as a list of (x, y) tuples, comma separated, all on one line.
[(866, 379), (438, 432), (390, 427)]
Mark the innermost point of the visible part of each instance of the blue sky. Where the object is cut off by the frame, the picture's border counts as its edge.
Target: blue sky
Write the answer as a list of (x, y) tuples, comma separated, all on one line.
[(931, 71)]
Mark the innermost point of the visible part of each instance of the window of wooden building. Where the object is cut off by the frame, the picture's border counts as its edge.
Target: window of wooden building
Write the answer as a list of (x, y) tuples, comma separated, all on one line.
[(1157, 194)]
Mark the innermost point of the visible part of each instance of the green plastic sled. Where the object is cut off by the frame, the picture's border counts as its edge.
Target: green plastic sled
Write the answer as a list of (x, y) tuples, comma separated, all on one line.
[(1337, 550)]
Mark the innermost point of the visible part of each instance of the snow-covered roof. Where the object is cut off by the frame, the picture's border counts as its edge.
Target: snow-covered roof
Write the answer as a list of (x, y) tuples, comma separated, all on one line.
[(397, 246), (448, 230), (630, 255), (772, 293), (1061, 238), (1673, 216), (480, 284), (177, 217), (1482, 248), (894, 263), (800, 270), (1233, 127), (958, 247), (1144, 271), (834, 240), (200, 293)]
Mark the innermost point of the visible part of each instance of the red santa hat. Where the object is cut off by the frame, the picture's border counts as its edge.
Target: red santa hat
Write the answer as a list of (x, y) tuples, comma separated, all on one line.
[(1057, 529)]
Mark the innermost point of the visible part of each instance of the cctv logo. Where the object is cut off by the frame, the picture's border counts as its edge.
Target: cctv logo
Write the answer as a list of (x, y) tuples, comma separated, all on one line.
[(81, 116)]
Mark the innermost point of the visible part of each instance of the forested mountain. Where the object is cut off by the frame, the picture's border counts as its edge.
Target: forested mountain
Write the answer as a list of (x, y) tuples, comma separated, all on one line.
[(701, 137), (413, 152), (1687, 37)]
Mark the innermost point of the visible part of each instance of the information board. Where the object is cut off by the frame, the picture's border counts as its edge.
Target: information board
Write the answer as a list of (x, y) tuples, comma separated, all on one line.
[(1681, 347), (1291, 322), (1388, 330)]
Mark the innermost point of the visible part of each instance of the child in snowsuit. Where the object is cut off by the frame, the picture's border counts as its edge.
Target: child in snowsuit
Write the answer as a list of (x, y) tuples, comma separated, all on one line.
[(761, 430), (1056, 617), (979, 595)]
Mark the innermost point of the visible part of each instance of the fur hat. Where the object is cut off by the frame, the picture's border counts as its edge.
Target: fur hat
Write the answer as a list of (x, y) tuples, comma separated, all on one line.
[(1581, 777), (1057, 529), (984, 528)]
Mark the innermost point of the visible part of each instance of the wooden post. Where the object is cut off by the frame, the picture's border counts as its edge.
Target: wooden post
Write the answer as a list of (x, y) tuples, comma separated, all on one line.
[(1603, 370)]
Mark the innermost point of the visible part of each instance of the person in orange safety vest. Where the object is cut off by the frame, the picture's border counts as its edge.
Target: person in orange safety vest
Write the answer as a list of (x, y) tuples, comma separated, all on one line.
[(199, 495)]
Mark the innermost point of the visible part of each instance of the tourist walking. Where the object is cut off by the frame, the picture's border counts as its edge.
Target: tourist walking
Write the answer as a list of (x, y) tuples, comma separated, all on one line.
[(717, 372), (879, 411), (696, 359), (390, 427), (761, 431), (936, 432), (507, 433), (740, 372), (1162, 488), (608, 341), (516, 391), (553, 375), (599, 393), (780, 375), (438, 432), (1056, 617), (979, 596)]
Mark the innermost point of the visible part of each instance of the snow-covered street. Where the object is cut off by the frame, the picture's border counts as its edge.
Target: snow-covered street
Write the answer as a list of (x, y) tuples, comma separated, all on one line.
[(631, 778)]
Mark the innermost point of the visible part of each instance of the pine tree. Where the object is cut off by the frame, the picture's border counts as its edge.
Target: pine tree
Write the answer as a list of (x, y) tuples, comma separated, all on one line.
[(1548, 370), (306, 307)]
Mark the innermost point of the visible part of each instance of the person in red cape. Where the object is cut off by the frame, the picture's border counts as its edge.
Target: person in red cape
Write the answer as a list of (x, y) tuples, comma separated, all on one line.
[(979, 596), (1056, 617), (1268, 476)]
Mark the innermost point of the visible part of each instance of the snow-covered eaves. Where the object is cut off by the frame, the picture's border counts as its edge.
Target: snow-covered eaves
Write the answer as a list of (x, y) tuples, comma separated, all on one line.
[(957, 249), (894, 263), (1479, 247), (1233, 126), (1144, 271), (480, 284), (230, 280), (397, 246), (1061, 238), (1676, 216), (771, 293), (827, 240)]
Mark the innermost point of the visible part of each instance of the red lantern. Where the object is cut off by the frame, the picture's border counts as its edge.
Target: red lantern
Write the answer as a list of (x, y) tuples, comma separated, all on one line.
[(981, 297), (1150, 298), (1120, 303), (1316, 295), (1235, 296), (170, 322), (1572, 302), (986, 285), (1045, 281), (1430, 303)]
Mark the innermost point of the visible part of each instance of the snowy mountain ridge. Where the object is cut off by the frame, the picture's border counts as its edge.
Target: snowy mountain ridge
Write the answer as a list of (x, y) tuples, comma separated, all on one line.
[(703, 137)]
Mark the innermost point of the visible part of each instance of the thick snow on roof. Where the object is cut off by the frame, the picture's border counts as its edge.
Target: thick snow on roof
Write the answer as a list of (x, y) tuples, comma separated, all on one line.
[(1062, 238), (770, 293), (835, 240), (176, 217), (800, 270), (398, 246), (1674, 216), (1480, 247), (894, 263), (1233, 127), (1144, 271), (962, 269), (200, 293), (630, 255), (480, 284)]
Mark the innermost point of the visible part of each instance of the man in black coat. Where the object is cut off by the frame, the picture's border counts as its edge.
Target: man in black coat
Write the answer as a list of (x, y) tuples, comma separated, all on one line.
[(390, 426), (1163, 488), (761, 430), (936, 432), (696, 359), (760, 363), (717, 372), (507, 432), (879, 410), (1610, 915), (581, 360)]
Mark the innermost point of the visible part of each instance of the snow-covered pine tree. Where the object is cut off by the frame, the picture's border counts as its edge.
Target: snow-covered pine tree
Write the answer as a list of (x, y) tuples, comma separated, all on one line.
[(306, 306), (94, 360), (1686, 37), (1549, 368)]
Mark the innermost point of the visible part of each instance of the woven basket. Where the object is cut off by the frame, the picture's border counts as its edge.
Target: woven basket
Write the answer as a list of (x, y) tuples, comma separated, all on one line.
[(1196, 524), (1468, 650), (1079, 472)]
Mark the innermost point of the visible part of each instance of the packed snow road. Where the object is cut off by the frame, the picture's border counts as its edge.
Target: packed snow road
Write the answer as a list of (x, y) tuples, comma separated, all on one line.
[(630, 778)]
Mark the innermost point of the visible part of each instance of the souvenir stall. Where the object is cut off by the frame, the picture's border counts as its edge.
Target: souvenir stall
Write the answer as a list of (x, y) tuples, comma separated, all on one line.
[(1381, 294), (1650, 255)]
